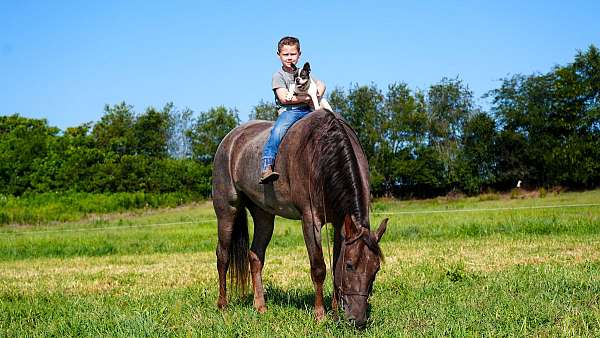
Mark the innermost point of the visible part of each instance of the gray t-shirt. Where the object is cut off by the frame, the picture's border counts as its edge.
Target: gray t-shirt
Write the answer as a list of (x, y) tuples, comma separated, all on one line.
[(283, 79)]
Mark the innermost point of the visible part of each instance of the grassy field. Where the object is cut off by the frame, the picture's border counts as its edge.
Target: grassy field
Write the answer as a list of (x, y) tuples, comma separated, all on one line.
[(69, 206), (455, 267)]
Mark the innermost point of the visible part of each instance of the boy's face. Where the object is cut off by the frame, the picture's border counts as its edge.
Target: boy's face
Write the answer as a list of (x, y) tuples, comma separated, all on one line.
[(289, 55)]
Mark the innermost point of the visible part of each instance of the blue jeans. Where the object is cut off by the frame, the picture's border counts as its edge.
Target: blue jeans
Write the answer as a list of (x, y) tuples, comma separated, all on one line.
[(283, 123)]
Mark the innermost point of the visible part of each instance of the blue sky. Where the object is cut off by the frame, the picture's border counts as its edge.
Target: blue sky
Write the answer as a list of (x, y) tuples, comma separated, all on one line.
[(64, 60)]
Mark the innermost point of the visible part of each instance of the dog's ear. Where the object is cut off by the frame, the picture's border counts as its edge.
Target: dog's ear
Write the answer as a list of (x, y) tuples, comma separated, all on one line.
[(306, 67), (294, 68)]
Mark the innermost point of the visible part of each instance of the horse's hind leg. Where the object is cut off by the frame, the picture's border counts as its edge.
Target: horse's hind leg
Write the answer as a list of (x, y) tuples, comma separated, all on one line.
[(227, 214), (225, 220), (263, 230)]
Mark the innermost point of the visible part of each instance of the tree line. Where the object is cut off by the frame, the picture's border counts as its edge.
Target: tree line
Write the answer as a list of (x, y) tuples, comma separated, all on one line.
[(542, 129)]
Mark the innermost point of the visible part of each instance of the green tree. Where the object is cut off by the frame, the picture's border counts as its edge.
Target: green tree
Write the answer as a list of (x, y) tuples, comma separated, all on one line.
[(264, 111), (407, 119), (420, 173), (115, 130), (476, 164), (23, 146), (555, 117), (338, 100), (151, 130), (450, 104), (578, 102), (209, 129), (405, 135), (179, 144), (404, 127), (364, 112)]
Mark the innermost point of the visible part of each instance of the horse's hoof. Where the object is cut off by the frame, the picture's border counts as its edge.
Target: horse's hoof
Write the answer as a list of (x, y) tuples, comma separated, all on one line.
[(261, 309), (222, 303)]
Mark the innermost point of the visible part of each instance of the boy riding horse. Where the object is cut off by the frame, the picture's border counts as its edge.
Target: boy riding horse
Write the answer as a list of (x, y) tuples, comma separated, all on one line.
[(290, 111)]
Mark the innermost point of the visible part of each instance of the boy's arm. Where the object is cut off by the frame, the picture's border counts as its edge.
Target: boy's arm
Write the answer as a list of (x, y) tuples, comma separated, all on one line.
[(296, 99)]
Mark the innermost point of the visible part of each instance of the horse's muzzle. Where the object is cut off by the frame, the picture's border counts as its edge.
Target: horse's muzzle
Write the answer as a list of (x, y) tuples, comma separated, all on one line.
[(355, 310)]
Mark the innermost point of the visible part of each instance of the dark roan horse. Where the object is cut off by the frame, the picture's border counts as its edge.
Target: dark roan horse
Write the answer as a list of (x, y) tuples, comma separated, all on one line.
[(324, 179)]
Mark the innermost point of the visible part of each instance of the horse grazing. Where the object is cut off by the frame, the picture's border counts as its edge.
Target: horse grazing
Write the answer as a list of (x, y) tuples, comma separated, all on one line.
[(324, 178)]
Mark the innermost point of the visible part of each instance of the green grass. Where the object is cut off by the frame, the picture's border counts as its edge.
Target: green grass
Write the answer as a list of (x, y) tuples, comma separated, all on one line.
[(70, 206), (524, 272)]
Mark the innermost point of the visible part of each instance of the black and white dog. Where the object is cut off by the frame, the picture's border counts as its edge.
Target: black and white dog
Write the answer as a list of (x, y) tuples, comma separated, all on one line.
[(303, 84)]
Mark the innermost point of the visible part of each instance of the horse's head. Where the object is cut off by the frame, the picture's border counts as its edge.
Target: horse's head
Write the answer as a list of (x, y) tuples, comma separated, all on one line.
[(356, 267)]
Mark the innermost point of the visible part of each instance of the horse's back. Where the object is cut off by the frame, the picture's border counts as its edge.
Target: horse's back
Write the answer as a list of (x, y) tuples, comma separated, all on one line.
[(238, 154), (237, 167)]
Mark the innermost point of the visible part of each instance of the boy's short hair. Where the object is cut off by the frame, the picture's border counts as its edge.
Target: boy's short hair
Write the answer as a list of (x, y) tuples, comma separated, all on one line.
[(288, 41)]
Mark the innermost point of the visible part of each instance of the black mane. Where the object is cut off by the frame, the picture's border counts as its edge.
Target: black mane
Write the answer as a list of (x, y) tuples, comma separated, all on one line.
[(334, 169)]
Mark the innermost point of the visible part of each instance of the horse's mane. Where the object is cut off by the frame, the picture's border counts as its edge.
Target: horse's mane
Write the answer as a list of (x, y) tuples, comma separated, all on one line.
[(334, 169)]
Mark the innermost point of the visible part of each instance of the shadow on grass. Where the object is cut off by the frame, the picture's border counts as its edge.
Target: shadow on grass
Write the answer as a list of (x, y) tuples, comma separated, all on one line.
[(303, 299), (296, 297)]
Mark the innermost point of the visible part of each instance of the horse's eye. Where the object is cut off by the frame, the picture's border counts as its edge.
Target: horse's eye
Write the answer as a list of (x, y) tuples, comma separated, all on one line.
[(349, 266)]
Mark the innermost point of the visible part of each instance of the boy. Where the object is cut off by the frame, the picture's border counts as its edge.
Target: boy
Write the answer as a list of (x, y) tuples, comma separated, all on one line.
[(290, 111)]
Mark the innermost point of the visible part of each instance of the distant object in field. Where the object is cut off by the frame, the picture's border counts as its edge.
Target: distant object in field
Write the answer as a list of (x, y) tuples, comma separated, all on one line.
[(519, 184)]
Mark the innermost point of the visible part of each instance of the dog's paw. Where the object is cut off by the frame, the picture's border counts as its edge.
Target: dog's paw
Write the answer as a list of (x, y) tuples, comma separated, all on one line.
[(290, 92)]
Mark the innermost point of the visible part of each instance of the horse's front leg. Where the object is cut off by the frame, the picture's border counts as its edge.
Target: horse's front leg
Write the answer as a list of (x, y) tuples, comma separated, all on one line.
[(318, 269), (337, 241)]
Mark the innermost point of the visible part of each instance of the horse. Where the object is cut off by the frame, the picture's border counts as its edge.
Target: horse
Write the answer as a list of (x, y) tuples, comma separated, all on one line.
[(324, 178)]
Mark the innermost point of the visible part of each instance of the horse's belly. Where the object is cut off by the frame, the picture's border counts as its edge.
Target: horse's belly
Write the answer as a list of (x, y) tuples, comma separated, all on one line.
[(269, 198), (284, 210)]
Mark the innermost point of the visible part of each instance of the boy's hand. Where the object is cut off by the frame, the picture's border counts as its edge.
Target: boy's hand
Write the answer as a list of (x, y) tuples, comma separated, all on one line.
[(310, 102), (300, 98), (296, 99), (303, 98)]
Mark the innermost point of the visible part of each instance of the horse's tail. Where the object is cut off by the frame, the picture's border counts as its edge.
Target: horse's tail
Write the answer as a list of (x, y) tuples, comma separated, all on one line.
[(238, 252)]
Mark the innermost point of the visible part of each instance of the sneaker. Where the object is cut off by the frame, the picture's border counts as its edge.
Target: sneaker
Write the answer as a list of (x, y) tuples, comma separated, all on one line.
[(268, 176)]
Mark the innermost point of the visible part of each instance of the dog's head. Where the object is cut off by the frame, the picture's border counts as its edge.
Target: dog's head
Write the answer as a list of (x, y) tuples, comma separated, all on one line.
[(302, 76)]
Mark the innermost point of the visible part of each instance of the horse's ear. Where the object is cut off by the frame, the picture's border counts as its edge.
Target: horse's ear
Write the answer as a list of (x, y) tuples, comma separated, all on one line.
[(381, 230), (349, 227)]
